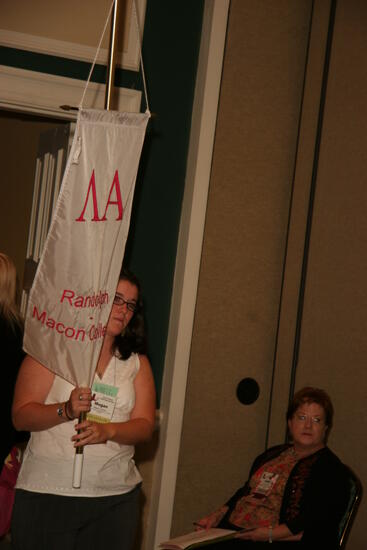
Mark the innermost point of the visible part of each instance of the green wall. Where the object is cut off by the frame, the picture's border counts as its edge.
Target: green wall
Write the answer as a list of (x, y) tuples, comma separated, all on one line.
[(170, 54)]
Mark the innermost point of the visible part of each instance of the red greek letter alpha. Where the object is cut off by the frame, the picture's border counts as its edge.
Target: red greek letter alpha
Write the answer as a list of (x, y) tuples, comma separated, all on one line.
[(118, 201)]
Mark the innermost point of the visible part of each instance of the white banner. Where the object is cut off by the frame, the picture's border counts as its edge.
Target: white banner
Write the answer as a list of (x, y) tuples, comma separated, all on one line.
[(75, 283)]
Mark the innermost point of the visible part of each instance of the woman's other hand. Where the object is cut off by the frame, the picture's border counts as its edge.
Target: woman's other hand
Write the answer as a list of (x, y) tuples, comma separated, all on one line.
[(211, 520), (91, 433)]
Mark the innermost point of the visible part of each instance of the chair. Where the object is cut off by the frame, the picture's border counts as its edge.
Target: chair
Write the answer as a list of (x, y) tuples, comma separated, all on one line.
[(354, 500)]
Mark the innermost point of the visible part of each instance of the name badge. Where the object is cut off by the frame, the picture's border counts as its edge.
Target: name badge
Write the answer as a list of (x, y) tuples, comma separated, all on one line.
[(265, 484), (104, 402)]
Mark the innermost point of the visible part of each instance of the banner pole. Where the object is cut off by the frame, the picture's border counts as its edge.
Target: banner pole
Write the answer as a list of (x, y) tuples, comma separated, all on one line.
[(78, 460), (79, 453), (111, 57)]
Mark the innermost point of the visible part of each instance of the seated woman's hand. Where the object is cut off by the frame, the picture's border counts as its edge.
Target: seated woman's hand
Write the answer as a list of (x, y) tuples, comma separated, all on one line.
[(261, 534), (91, 433), (211, 520), (79, 401)]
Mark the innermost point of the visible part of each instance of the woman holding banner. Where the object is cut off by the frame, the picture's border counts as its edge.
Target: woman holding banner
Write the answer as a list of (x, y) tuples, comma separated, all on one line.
[(103, 513)]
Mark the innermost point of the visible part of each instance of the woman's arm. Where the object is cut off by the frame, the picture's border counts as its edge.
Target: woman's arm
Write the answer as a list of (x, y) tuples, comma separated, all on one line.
[(29, 411), (139, 428), (264, 534)]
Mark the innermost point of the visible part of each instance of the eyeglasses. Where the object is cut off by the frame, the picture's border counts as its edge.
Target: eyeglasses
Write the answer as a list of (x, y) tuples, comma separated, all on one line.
[(119, 301), (304, 417)]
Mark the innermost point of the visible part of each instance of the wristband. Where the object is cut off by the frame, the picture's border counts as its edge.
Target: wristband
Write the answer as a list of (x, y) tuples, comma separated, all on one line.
[(270, 534)]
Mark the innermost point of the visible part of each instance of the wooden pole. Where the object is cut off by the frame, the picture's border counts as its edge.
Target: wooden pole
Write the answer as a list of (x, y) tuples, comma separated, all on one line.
[(78, 461), (111, 56)]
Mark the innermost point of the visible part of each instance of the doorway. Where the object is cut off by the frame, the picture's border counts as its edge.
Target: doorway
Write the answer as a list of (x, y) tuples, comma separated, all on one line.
[(20, 138)]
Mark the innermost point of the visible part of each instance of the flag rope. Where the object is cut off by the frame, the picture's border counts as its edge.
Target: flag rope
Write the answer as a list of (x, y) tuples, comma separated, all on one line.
[(96, 56)]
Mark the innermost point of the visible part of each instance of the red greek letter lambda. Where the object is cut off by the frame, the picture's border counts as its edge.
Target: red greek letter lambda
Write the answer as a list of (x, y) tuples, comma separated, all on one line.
[(92, 185), (118, 201)]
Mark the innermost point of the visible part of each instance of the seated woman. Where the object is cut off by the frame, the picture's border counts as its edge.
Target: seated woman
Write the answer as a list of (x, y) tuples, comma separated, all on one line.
[(296, 493)]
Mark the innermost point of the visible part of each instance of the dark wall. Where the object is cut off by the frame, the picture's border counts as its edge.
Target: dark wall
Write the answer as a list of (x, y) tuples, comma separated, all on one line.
[(170, 53)]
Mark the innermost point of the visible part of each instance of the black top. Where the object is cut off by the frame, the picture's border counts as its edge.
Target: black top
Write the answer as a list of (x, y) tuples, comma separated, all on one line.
[(11, 357)]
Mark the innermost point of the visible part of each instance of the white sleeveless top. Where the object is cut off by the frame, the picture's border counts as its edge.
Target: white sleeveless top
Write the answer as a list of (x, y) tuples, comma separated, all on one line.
[(108, 468)]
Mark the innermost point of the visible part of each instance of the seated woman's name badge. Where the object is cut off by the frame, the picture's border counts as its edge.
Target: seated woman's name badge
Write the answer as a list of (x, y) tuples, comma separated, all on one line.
[(265, 484), (104, 402)]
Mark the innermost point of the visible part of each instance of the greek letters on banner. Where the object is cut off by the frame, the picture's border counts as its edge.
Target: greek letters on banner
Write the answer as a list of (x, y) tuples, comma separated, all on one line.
[(75, 283)]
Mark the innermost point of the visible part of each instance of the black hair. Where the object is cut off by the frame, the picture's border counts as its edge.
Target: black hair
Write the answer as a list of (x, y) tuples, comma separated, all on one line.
[(133, 338)]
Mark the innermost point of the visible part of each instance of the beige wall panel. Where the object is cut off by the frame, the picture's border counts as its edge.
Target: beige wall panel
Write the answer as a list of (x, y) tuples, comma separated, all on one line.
[(333, 345), (298, 219), (240, 280)]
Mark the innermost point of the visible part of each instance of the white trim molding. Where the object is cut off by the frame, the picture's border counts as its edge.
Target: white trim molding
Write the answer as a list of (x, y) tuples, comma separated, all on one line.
[(187, 268), (31, 91)]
